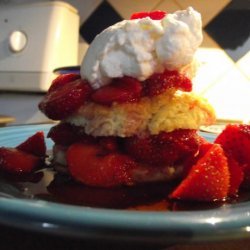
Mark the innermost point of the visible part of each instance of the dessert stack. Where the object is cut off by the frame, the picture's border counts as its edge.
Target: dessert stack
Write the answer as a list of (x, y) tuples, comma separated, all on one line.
[(130, 117)]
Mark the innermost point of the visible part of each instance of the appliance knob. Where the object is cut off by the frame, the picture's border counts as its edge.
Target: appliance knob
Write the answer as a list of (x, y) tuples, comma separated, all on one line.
[(17, 41)]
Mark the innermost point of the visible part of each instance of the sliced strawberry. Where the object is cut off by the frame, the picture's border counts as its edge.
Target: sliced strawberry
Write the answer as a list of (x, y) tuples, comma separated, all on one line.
[(160, 82), (155, 15), (35, 145), (62, 80), (65, 134), (18, 162), (208, 179), (88, 164), (236, 172), (125, 89), (192, 159), (246, 173), (236, 176), (65, 100), (163, 149), (235, 140)]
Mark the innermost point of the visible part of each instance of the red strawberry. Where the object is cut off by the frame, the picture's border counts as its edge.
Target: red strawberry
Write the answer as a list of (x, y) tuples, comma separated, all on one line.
[(165, 148), (35, 145), (236, 172), (125, 89), (155, 15), (160, 82), (192, 159), (236, 176), (246, 173), (17, 162), (65, 99), (235, 140), (65, 134), (88, 164), (62, 80), (208, 179)]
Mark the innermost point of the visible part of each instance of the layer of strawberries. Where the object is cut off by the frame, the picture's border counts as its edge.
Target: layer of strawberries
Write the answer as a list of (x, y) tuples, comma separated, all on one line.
[(69, 92)]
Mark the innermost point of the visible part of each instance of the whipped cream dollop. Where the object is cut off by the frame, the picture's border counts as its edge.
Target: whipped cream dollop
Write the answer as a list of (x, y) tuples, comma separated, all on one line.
[(141, 47)]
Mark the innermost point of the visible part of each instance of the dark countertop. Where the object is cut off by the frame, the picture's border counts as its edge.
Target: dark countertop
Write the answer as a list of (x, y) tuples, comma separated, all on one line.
[(18, 239), (26, 240)]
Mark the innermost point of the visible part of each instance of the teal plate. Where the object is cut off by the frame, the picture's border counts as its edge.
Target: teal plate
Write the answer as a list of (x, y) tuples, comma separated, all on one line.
[(223, 223)]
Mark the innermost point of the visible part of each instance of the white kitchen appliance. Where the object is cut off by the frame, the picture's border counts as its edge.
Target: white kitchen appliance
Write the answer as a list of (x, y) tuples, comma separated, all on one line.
[(35, 39)]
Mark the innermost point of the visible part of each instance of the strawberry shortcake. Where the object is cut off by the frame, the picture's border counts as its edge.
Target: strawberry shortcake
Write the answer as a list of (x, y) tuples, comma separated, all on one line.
[(130, 116)]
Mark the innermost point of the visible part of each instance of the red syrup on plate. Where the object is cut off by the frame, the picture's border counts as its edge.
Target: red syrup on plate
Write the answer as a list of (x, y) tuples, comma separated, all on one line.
[(46, 184)]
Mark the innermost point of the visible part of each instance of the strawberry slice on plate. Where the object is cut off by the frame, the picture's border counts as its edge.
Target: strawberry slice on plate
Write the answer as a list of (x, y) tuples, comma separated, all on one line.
[(236, 176), (92, 166), (35, 145), (192, 159), (16, 161), (236, 172), (235, 140), (208, 180)]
